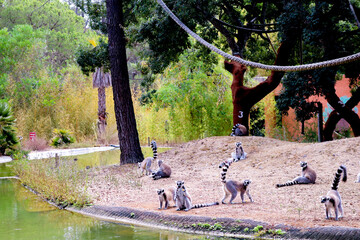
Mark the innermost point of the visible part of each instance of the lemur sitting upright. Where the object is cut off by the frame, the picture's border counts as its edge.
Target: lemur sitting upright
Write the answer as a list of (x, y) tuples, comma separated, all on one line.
[(237, 155), (166, 196), (183, 199)]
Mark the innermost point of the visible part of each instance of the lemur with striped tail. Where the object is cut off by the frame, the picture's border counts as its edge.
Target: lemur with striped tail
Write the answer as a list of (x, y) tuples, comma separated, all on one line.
[(164, 171), (145, 165), (333, 200), (183, 199), (308, 175), (238, 155), (166, 196), (232, 187), (239, 130)]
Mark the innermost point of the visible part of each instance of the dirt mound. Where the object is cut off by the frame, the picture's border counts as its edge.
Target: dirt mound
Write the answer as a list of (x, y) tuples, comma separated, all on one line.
[(269, 161)]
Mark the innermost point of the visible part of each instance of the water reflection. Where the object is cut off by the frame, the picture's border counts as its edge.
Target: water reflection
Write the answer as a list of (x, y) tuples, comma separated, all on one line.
[(25, 216)]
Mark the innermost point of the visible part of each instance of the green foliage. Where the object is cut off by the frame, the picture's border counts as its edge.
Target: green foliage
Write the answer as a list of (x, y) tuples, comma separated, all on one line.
[(8, 138), (189, 104), (18, 154), (257, 119), (91, 58), (62, 137), (64, 185), (316, 21), (257, 228), (63, 29), (276, 232)]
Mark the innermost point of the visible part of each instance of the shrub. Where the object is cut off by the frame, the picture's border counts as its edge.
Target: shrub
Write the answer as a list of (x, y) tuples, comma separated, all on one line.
[(62, 182), (62, 137), (8, 138), (37, 144)]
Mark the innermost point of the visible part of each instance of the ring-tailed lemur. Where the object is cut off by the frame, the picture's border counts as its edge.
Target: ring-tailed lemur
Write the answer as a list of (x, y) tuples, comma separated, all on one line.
[(333, 200), (183, 199), (238, 130), (164, 171), (308, 175), (145, 165), (238, 155), (233, 187), (166, 196)]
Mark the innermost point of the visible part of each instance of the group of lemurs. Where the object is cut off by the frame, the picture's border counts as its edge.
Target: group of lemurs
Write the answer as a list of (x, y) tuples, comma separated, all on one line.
[(182, 199)]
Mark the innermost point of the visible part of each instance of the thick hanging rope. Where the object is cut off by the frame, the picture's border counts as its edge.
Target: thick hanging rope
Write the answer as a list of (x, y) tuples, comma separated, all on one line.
[(304, 67)]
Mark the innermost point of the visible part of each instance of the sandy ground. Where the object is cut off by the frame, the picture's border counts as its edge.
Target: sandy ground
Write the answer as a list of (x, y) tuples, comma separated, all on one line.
[(269, 162)]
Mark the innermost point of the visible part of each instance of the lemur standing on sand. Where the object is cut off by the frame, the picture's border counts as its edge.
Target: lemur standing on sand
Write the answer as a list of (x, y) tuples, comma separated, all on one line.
[(145, 165), (233, 187), (333, 200)]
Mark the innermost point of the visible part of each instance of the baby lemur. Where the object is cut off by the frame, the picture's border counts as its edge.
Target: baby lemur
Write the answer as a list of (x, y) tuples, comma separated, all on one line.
[(232, 187), (166, 196), (145, 165), (308, 175), (333, 200), (183, 199)]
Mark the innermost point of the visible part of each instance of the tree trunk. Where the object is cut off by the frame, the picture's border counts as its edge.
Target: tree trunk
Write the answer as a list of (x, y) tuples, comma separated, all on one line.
[(335, 117), (124, 110), (243, 97), (101, 114)]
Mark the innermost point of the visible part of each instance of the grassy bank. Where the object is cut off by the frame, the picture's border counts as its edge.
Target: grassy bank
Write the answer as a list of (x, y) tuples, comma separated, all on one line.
[(61, 182)]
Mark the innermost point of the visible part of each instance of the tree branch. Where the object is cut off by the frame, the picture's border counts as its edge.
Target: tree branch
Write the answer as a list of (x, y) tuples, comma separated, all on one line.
[(353, 12)]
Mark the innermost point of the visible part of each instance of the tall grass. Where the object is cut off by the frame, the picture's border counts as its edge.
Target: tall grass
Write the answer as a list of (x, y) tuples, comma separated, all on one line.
[(68, 102)]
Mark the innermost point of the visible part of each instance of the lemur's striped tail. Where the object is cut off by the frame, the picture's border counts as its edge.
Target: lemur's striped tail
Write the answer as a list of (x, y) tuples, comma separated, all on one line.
[(224, 171), (204, 205), (287, 184), (233, 129), (154, 149), (341, 169)]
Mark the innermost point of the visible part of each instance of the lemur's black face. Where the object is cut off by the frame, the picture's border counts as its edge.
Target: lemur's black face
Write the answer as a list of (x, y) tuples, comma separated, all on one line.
[(160, 191), (303, 164), (180, 184), (247, 182), (327, 199), (238, 144)]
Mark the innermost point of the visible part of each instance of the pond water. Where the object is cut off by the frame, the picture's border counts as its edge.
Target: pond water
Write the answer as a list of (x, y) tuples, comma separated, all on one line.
[(23, 215)]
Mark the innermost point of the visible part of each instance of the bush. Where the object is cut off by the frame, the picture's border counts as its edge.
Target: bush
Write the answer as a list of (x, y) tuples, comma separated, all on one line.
[(63, 182), (62, 137), (37, 144), (8, 138)]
